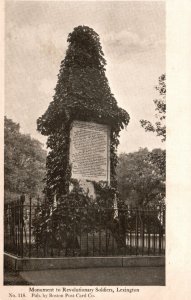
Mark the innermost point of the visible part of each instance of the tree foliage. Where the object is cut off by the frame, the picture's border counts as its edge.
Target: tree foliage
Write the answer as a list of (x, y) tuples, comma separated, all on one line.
[(24, 162), (160, 106), (141, 177), (82, 93)]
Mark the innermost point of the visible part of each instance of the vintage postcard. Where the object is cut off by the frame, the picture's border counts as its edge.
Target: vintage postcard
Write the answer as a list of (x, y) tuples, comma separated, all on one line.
[(95, 150)]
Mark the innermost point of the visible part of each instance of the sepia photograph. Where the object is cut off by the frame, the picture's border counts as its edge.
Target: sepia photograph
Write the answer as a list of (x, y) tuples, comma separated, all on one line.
[(84, 147)]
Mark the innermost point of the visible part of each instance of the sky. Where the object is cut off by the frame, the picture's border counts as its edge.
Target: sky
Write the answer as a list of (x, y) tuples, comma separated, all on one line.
[(132, 36)]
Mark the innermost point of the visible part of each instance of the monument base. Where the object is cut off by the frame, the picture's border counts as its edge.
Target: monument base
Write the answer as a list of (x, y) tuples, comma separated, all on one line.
[(87, 187)]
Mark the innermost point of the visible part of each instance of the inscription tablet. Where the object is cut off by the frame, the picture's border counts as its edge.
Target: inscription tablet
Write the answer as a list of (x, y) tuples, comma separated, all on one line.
[(90, 151)]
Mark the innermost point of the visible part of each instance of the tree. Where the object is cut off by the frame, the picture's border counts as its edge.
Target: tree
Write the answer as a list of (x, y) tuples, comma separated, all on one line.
[(141, 180), (159, 127), (82, 93), (24, 162)]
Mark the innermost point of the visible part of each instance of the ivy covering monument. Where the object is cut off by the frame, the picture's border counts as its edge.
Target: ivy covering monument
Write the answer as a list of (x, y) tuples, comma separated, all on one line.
[(82, 93)]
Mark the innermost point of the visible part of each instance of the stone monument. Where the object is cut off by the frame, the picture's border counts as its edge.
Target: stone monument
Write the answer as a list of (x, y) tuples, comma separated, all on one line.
[(83, 121)]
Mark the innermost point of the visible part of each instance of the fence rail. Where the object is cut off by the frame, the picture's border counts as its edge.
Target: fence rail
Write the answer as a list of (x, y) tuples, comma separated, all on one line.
[(37, 230)]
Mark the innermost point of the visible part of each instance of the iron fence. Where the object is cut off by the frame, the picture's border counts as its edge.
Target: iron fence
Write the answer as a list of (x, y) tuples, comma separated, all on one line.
[(38, 230)]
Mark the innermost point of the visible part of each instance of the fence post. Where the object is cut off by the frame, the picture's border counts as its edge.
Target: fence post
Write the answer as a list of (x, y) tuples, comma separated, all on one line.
[(14, 228), (160, 231), (5, 226), (22, 200), (164, 226), (30, 223), (130, 214), (137, 231)]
